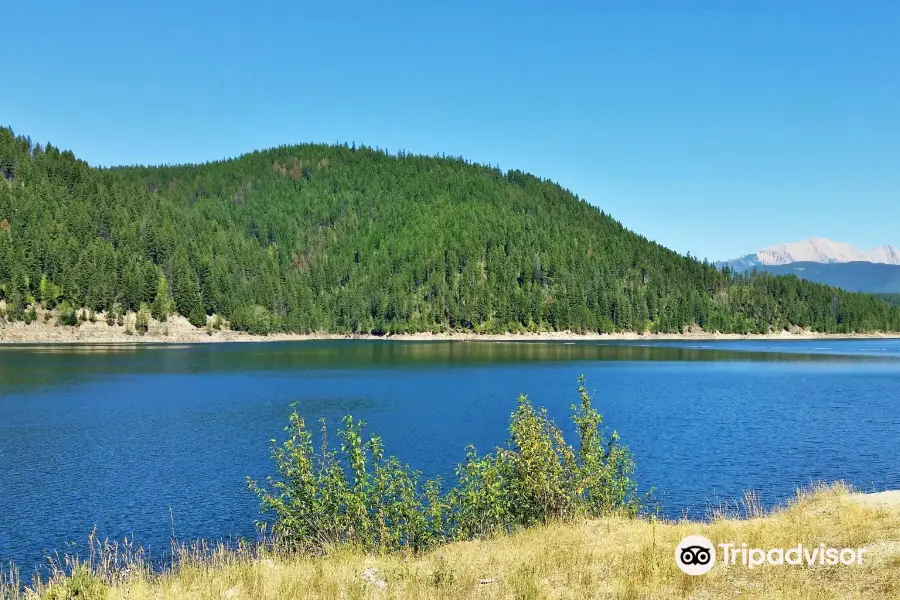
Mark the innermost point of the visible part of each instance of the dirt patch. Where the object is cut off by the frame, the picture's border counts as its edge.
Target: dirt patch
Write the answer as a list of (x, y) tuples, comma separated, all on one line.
[(889, 499)]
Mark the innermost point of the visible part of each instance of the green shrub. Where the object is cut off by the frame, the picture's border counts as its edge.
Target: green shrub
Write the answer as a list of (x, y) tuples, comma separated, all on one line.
[(538, 478), (15, 305), (320, 505), (142, 319), (162, 303), (114, 314), (80, 584), (30, 316), (196, 317), (605, 465), (357, 496), (50, 293), (253, 319), (66, 314)]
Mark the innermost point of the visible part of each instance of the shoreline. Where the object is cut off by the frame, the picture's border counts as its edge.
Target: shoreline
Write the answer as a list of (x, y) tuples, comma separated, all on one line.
[(176, 330)]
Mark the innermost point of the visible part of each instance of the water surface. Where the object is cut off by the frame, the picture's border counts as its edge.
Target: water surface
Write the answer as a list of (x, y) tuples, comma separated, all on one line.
[(151, 441)]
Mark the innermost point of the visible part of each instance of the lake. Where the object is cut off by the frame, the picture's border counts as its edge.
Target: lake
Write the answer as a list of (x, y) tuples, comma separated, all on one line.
[(151, 441)]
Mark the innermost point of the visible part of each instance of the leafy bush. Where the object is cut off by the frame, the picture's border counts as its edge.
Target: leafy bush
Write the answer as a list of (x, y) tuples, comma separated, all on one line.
[(162, 303), (253, 319), (364, 500), (67, 314), (50, 293), (605, 464), (15, 305), (357, 496), (142, 320), (30, 316), (114, 314)]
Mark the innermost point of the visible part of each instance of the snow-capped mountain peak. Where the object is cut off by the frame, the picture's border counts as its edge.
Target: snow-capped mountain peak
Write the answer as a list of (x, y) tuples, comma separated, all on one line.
[(817, 250), (884, 254)]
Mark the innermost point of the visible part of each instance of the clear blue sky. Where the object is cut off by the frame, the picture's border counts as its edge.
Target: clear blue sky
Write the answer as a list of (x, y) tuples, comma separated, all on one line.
[(709, 127)]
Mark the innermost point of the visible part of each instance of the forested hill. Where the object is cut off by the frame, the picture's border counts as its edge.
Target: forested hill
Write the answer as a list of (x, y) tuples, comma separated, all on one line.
[(344, 239)]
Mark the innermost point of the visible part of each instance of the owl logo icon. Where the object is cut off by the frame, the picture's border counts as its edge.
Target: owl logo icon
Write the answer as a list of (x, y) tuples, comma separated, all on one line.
[(695, 555)]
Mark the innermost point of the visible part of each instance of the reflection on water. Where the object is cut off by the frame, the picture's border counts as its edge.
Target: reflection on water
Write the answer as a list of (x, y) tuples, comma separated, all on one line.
[(70, 363)]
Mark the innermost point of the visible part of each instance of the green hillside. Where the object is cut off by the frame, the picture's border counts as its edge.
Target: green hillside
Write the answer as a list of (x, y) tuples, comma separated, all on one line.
[(344, 239)]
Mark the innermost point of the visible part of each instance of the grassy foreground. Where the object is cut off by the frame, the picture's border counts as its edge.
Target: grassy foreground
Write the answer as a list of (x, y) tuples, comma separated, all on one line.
[(596, 558)]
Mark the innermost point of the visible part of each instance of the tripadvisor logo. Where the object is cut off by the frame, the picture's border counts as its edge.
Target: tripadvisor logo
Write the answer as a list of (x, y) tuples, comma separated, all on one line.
[(696, 555)]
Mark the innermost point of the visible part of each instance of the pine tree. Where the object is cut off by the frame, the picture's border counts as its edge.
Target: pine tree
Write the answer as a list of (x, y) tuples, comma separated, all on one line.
[(186, 290)]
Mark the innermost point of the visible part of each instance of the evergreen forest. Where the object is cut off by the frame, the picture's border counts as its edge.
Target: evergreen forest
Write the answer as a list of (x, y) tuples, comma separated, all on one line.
[(353, 239)]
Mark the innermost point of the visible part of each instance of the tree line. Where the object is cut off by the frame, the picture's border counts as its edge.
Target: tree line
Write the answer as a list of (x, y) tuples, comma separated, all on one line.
[(892, 298), (340, 238)]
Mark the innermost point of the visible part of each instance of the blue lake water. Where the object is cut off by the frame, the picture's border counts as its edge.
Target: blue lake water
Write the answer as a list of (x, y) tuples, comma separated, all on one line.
[(147, 441)]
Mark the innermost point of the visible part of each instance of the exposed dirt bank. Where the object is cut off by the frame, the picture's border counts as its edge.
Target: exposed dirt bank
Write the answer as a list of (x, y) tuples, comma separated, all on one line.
[(177, 330)]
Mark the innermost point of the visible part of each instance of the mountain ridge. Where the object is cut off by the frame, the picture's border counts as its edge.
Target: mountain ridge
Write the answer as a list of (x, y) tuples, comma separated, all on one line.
[(856, 276), (821, 260), (816, 250)]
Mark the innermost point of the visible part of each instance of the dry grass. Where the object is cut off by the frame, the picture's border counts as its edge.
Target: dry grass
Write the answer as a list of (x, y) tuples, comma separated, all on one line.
[(606, 558)]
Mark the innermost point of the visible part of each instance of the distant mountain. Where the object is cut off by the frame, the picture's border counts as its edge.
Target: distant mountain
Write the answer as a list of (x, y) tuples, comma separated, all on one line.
[(815, 250), (857, 276), (884, 254), (832, 263)]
